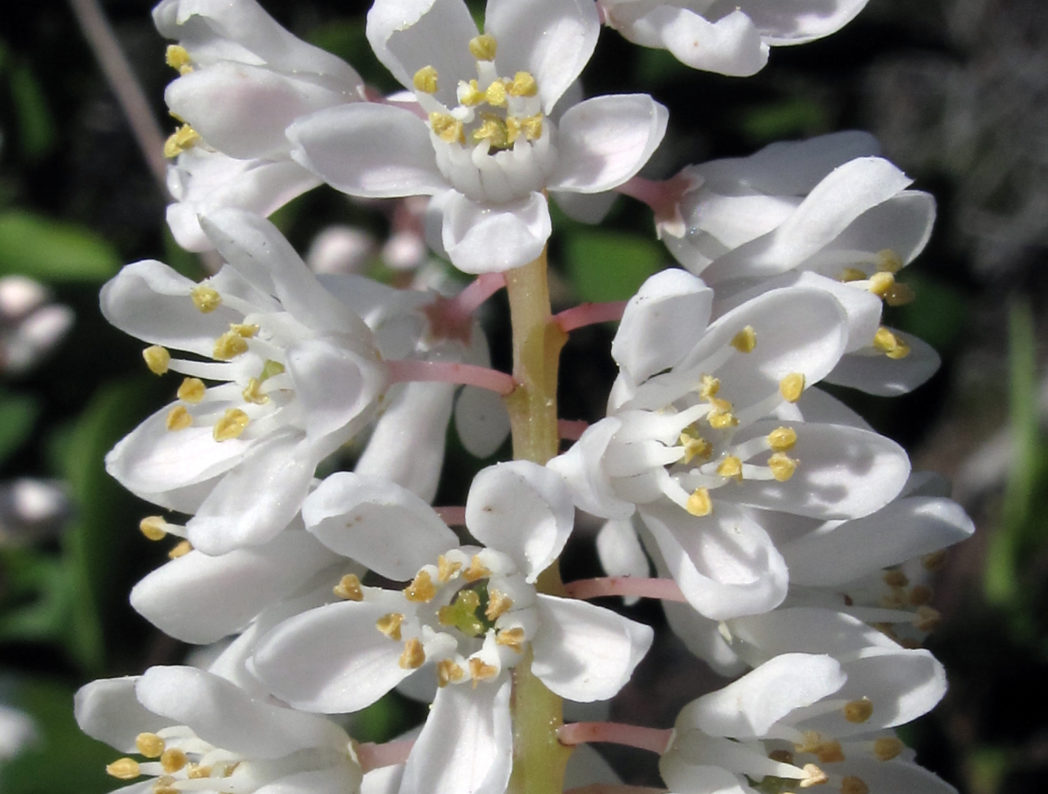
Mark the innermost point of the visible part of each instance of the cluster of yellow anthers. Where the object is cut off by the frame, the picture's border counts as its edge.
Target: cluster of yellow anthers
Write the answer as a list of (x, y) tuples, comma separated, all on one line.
[(882, 283), (899, 594), (228, 345), (730, 466), (185, 136), (502, 124), (171, 764), (468, 612)]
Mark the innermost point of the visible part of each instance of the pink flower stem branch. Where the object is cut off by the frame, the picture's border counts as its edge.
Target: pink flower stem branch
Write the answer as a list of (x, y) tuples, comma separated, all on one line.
[(589, 314), (571, 429), (452, 516), (372, 755), (478, 291), (664, 198), (406, 370), (652, 739), (662, 589)]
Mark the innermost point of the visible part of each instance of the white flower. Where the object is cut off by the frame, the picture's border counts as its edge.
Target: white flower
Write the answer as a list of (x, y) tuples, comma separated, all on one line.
[(244, 79), (198, 732), (727, 37), (488, 146), (17, 732), (702, 423), (469, 615), (803, 720), (298, 374), (30, 325)]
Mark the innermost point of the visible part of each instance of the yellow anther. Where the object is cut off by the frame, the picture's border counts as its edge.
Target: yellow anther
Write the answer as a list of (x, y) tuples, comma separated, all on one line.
[(495, 94), (493, 130), (229, 346), (699, 503), (695, 446), (479, 671), (745, 340), (244, 330), (895, 578), (469, 95), (722, 419), (181, 549), (532, 126), (231, 425), (178, 58), (899, 295), (854, 785), (498, 605), (421, 589), (708, 387), (858, 710), (446, 568), (157, 358), (154, 528), (888, 261), (124, 769), (926, 618), (196, 772), (178, 418), (185, 137), (476, 570), (730, 467), (829, 752), (448, 672), (252, 393), (935, 560), (851, 274), (413, 657), (782, 439), (511, 638), (483, 47), (881, 283), (173, 760), (348, 588), (523, 84), (191, 390), (887, 747), (891, 345), (919, 595), (149, 744), (782, 466), (166, 787), (425, 80), (389, 625), (814, 776), (447, 128), (513, 130), (792, 387), (205, 298)]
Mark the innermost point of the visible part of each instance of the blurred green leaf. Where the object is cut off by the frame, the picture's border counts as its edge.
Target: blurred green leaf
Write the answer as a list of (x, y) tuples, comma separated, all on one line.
[(36, 597), (51, 250), (36, 126), (940, 313), (791, 118), (610, 266), (17, 414)]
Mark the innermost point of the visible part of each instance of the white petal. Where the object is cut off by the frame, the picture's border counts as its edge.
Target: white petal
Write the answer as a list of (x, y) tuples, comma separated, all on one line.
[(108, 710), (591, 486), (585, 652), (620, 551), (702, 637), (552, 39), (336, 779), (384, 526), (368, 149), (604, 141), (488, 239), (783, 22), (331, 659), (875, 373), (481, 421), (522, 509), (466, 745)]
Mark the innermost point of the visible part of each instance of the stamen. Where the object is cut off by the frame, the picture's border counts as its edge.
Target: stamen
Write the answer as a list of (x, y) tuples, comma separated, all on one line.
[(511, 638), (899, 295), (888, 261), (246, 330), (413, 657), (123, 769), (792, 387), (469, 95), (173, 760), (205, 298), (446, 568), (483, 47), (448, 672), (730, 467), (149, 744), (157, 358), (854, 785), (886, 748), (782, 756), (523, 84), (881, 283), (815, 776), (694, 445), (178, 418), (782, 466), (495, 94), (192, 390), (231, 425), (532, 126), (935, 560), (177, 57), (708, 387), (252, 393), (476, 570), (919, 595), (181, 549), (348, 588), (498, 604), (851, 274), (389, 625), (228, 346), (479, 671), (782, 439), (421, 589), (196, 772), (425, 80), (154, 528), (699, 503), (493, 130), (927, 618), (890, 344), (745, 340), (895, 578), (185, 137), (447, 128), (858, 711)]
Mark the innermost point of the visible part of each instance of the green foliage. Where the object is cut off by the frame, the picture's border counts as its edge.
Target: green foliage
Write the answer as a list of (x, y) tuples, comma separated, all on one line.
[(52, 250), (610, 266), (17, 414)]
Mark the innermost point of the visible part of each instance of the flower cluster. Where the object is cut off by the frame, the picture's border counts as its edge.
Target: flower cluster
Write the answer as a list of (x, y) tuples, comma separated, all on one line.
[(297, 465)]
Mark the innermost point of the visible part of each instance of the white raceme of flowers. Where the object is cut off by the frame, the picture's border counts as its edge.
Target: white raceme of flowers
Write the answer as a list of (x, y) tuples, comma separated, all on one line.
[(792, 546)]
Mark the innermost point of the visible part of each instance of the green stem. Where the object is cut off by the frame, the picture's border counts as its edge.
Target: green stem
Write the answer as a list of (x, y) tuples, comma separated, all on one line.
[(538, 757)]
